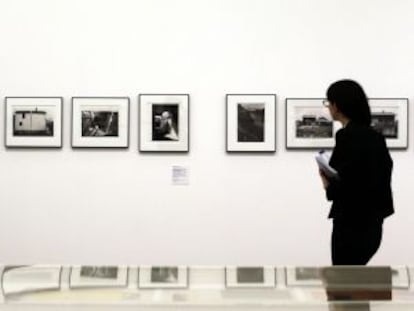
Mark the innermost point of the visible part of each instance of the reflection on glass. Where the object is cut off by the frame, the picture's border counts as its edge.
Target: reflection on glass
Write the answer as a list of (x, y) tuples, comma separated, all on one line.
[(356, 284), (21, 279), (307, 273), (164, 274)]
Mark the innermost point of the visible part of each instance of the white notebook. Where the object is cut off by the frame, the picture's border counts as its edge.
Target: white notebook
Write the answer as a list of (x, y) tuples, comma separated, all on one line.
[(322, 158)]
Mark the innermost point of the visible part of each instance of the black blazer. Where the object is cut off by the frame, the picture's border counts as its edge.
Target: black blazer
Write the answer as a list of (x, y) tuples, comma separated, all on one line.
[(363, 190)]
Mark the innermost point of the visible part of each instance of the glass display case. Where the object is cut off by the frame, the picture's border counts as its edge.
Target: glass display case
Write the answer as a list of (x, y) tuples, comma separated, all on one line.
[(41, 287)]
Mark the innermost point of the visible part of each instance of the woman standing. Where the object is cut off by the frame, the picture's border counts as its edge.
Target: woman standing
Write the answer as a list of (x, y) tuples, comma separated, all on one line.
[(362, 195)]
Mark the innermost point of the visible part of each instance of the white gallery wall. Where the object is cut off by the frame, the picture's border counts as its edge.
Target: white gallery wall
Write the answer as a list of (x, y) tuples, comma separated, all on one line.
[(119, 206)]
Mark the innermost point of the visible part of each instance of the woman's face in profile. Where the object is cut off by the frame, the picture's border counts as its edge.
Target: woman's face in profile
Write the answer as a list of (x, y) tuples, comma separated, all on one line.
[(333, 110)]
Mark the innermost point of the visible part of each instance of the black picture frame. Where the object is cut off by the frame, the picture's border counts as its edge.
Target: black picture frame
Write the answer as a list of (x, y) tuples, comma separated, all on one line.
[(39, 137), (80, 139), (262, 137), (178, 101)]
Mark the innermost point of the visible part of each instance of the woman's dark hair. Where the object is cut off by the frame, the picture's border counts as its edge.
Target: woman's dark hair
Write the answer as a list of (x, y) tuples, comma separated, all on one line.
[(350, 99)]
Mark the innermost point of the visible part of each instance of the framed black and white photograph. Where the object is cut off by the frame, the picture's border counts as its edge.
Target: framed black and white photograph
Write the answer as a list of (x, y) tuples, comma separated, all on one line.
[(309, 124), (98, 276), (164, 122), (303, 276), (163, 277), (390, 118), (251, 123), (100, 122), (33, 122), (250, 277), (24, 279)]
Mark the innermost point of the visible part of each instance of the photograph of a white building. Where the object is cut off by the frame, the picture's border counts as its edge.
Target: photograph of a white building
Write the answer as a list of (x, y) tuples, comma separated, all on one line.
[(32, 122)]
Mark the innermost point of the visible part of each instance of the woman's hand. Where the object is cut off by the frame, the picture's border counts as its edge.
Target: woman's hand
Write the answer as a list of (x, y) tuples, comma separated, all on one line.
[(325, 180)]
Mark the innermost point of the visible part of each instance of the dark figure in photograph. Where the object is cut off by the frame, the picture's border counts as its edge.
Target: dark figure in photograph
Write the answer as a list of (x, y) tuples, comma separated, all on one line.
[(99, 123), (165, 122), (361, 194)]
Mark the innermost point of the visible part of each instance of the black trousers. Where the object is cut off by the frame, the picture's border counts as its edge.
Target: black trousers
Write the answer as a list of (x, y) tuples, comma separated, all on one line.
[(355, 243)]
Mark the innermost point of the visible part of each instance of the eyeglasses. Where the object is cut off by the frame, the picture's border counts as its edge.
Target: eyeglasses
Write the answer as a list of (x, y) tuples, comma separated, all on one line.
[(326, 103)]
